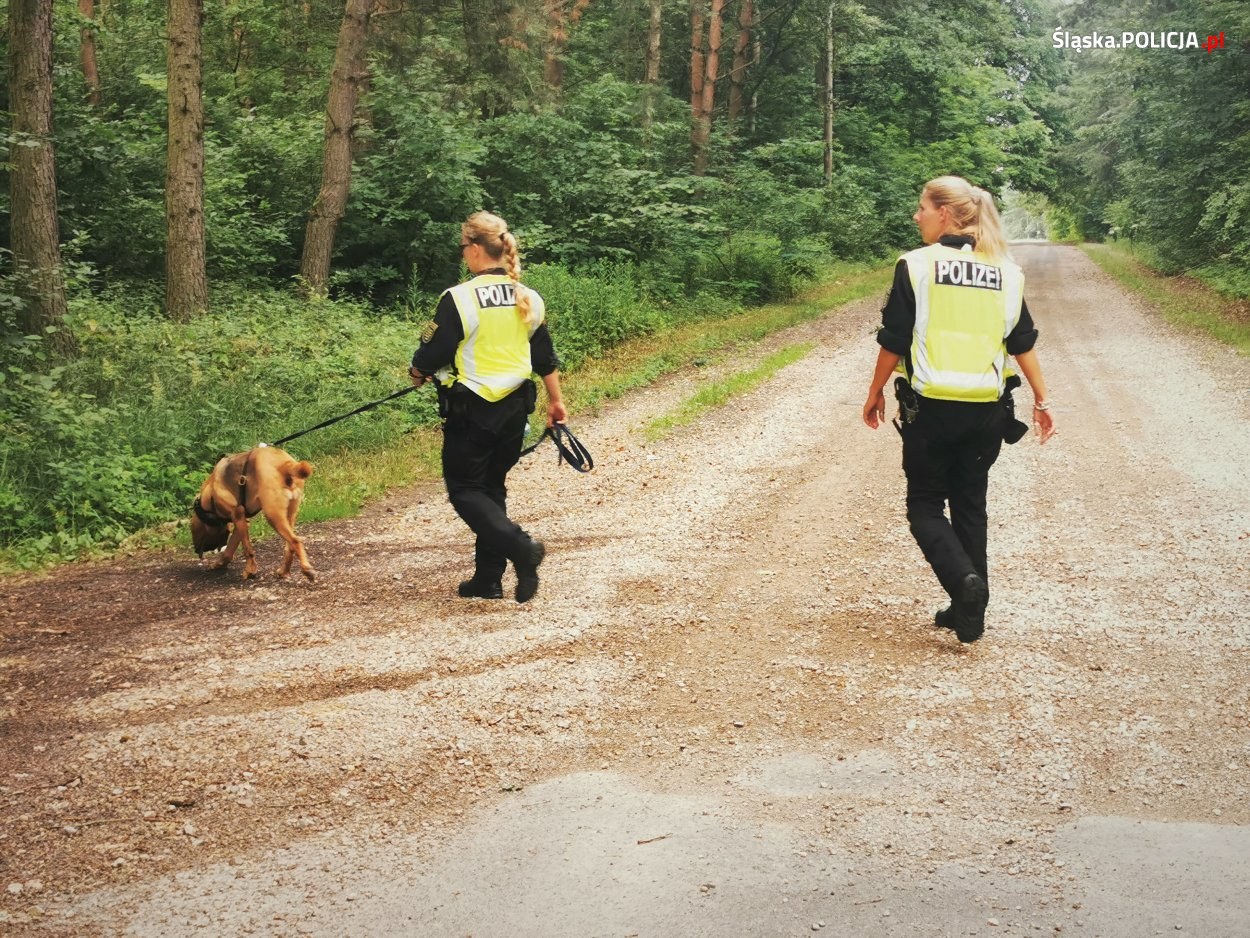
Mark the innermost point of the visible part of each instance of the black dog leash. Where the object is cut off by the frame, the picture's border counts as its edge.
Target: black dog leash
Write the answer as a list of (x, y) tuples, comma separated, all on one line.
[(358, 410), (571, 449)]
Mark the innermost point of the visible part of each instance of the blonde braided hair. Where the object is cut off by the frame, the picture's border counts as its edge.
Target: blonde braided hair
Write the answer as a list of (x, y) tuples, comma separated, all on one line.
[(491, 232)]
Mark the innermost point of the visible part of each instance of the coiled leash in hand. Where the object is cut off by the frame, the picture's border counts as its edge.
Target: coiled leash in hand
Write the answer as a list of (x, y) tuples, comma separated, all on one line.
[(571, 449)]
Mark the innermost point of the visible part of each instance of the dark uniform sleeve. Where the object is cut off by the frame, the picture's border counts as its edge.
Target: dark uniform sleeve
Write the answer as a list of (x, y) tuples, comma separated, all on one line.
[(440, 338), (543, 352), (898, 316), (1024, 336)]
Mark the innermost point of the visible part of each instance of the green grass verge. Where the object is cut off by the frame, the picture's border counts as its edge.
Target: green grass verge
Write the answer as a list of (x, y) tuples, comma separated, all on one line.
[(716, 393), (1183, 301)]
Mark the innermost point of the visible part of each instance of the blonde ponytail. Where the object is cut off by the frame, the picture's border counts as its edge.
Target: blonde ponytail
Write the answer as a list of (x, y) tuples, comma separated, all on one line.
[(989, 232), (491, 232), (972, 213)]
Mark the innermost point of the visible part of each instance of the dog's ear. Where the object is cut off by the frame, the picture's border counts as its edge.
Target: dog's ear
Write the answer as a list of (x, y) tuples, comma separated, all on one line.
[(205, 538)]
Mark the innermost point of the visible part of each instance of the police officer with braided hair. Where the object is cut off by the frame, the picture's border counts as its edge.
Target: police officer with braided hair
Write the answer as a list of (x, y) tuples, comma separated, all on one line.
[(487, 337), (955, 313)]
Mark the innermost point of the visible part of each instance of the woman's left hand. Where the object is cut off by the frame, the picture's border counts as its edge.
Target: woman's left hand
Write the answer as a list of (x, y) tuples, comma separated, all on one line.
[(557, 413)]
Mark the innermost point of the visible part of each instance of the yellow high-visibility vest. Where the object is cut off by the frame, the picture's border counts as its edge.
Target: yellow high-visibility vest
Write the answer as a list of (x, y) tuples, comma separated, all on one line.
[(966, 306), (494, 358)]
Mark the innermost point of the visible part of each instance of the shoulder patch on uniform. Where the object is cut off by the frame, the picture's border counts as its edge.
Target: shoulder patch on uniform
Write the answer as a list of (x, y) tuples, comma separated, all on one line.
[(428, 332)]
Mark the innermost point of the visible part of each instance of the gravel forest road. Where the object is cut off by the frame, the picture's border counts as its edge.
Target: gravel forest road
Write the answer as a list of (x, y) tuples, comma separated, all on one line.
[(727, 711)]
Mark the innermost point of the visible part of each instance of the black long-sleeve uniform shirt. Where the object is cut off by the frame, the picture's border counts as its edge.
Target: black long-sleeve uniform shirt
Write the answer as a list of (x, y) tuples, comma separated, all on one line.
[(438, 345), (898, 316)]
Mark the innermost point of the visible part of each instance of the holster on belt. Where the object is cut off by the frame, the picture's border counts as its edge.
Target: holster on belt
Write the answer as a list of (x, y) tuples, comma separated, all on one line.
[(1013, 429), (452, 401), (908, 403)]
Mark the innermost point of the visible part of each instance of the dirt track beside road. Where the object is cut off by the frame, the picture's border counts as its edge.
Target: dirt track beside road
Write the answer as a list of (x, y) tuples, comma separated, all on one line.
[(727, 711)]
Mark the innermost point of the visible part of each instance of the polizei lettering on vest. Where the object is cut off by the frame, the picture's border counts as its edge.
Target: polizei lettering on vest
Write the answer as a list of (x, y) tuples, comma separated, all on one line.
[(962, 273), (497, 294)]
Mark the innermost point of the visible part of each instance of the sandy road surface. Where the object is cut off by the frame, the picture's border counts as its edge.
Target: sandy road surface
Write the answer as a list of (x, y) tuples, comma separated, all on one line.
[(726, 713)]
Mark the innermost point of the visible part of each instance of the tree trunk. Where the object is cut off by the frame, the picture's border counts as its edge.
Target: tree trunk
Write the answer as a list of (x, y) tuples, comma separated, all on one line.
[(653, 43), (557, 36), (696, 59), (652, 78), (758, 46), (336, 175), (560, 19), (828, 96), (32, 172), (737, 77), (90, 71), (186, 284), (702, 132)]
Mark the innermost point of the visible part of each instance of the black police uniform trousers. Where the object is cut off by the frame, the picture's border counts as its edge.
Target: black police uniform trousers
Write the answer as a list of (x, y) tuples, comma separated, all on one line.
[(481, 442), (947, 453)]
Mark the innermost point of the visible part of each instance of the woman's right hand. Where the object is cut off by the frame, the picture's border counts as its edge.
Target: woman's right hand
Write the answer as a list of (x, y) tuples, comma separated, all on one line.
[(1043, 423), (557, 413)]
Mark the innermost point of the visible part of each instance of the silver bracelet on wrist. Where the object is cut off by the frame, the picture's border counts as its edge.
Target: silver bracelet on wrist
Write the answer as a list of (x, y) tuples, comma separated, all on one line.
[(1041, 405)]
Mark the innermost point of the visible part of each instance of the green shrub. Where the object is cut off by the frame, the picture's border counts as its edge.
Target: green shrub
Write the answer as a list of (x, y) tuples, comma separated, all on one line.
[(593, 309), (756, 268), (122, 436)]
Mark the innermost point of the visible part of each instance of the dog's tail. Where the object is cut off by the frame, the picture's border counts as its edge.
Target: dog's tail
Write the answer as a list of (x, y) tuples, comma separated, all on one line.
[(292, 470)]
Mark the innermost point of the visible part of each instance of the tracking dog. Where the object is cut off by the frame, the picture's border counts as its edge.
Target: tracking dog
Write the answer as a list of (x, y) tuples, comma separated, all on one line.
[(262, 479)]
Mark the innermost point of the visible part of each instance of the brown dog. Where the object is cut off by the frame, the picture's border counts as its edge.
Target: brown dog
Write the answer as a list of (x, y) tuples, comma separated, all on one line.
[(262, 479)]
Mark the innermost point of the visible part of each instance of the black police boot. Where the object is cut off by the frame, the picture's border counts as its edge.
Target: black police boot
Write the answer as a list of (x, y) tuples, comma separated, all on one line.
[(481, 589), (945, 618), (527, 571), (969, 608)]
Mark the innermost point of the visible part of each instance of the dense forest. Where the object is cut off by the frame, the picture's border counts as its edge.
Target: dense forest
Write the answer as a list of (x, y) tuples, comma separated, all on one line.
[(227, 195), (1154, 143)]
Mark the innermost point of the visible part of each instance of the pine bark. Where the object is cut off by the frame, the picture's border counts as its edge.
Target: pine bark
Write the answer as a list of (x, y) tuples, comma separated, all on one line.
[(346, 79), (697, 12), (737, 77), (653, 43), (90, 70), (557, 36), (186, 283), (701, 134), (34, 229), (754, 106), (652, 77), (828, 95)]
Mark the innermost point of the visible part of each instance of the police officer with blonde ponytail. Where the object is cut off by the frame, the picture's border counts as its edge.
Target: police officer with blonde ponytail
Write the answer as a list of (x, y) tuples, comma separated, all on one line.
[(955, 313), (487, 338)]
